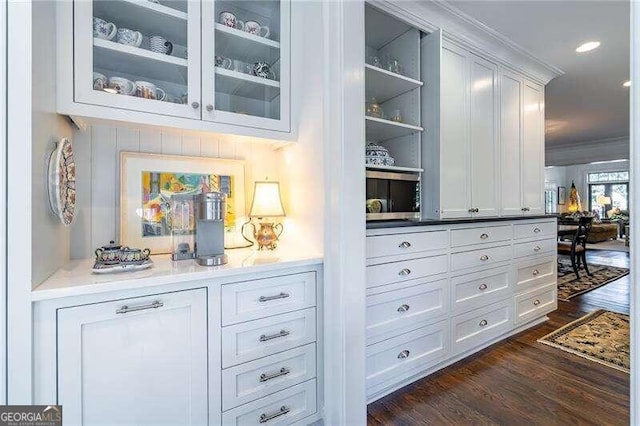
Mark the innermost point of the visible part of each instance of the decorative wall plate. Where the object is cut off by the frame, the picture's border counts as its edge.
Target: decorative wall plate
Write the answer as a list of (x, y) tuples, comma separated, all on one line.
[(62, 182)]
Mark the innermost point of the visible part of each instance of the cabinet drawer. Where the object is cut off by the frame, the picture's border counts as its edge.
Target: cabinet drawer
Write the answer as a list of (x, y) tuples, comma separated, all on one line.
[(254, 339), (536, 303), (285, 407), (480, 257), (255, 299), (487, 234), (535, 273), (475, 290), (403, 310), (538, 229), (395, 244), (392, 272), (534, 248), (477, 327), (420, 348), (252, 380)]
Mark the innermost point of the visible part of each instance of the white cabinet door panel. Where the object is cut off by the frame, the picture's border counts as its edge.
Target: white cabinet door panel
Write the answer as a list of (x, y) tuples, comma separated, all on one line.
[(533, 149), (483, 137), (146, 366), (455, 194), (510, 143)]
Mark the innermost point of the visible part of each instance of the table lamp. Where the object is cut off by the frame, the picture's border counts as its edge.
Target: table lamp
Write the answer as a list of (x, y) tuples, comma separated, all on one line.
[(267, 204), (604, 202)]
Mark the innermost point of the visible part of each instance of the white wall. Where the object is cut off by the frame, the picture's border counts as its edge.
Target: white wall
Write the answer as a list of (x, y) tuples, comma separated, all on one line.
[(50, 239), (563, 176), (553, 178), (587, 152), (97, 153), (3, 199)]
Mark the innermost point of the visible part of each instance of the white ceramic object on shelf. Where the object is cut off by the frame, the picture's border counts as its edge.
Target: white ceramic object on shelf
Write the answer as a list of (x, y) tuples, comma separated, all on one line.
[(62, 182)]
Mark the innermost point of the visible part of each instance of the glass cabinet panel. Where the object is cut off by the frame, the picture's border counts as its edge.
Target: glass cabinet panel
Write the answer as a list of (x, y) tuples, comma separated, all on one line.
[(246, 79), (136, 54)]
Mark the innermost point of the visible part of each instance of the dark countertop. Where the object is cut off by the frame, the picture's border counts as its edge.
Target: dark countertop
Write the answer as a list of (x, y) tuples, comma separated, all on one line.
[(383, 224)]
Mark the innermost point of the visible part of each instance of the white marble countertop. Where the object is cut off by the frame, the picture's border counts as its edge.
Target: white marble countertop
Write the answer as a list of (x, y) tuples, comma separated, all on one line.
[(76, 278)]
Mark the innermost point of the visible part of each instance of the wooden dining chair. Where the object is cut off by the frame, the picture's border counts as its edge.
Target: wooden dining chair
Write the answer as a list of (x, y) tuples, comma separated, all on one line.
[(576, 249)]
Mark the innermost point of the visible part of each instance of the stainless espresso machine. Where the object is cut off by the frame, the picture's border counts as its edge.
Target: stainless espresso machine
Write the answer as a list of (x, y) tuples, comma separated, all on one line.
[(209, 229)]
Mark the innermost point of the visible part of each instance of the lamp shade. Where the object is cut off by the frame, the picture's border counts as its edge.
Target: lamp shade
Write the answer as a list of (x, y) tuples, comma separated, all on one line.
[(603, 201), (266, 200)]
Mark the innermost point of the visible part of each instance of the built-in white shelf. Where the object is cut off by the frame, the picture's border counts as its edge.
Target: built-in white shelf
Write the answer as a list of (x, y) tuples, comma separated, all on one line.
[(384, 85), (245, 85), (147, 17), (136, 61), (235, 44), (394, 168), (379, 129)]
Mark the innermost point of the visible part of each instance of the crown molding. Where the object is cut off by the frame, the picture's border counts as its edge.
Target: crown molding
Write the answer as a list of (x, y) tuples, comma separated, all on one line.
[(589, 143), (470, 33)]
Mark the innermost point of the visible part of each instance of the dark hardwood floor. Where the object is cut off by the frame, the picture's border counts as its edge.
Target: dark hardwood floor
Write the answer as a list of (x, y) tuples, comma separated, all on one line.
[(519, 381)]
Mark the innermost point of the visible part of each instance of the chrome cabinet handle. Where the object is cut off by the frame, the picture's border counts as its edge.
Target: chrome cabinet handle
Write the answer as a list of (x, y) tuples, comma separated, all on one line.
[(482, 287), (404, 244), (484, 257), (281, 333), (536, 302), (472, 210), (535, 272), (404, 271), (483, 323), (195, 105), (537, 248), (484, 236), (282, 295), (266, 376), (126, 309), (536, 230), (525, 209), (403, 308), (209, 107), (264, 417), (404, 354)]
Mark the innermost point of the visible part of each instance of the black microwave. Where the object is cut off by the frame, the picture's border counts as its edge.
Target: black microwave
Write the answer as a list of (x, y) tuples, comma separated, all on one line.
[(392, 195)]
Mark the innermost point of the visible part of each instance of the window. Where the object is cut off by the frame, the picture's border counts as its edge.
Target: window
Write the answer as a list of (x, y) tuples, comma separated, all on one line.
[(550, 201), (608, 191)]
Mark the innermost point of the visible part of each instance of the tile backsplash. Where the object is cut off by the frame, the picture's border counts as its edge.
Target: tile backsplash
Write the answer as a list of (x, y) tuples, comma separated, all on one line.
[(97, 151)]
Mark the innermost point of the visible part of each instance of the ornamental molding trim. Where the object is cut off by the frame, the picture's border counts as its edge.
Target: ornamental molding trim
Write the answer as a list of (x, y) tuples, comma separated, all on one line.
[(471, 34)]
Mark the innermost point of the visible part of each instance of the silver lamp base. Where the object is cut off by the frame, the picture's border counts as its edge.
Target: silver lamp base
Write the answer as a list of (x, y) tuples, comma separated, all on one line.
[(216, 260)]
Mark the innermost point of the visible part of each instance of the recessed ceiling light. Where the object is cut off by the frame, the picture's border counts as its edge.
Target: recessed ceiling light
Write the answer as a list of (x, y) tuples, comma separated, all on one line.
[(627, 83), (585, 47)]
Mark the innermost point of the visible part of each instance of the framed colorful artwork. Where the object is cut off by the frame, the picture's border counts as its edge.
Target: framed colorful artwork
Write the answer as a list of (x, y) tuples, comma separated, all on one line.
[(148, 181)]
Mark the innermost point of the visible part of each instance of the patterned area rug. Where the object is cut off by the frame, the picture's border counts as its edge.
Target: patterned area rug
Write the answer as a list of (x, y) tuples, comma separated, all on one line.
[(569, 286), (601, 336)]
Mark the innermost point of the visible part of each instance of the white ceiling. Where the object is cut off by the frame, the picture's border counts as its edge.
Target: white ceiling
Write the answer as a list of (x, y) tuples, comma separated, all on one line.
[(587, 103)]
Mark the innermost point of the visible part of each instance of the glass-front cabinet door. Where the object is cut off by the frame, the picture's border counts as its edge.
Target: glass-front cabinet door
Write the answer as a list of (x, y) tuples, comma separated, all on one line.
[(246, 63), (139, 55)]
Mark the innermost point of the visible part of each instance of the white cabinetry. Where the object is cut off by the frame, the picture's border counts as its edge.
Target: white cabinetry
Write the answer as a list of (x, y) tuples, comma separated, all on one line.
[(140, 361), (182, 66), (522, 145), (424, 314), (468, 143)]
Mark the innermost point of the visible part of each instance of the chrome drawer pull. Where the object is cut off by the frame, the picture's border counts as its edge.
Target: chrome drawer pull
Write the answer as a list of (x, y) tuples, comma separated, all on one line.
[(482, 287), (404, 271), (282, 333), (536, 230), (125, 309), (535, 272), (472, 210), (536, 302), (266, 377), (264, 417), (484, 236), (483, 323), (404, 354), (537, 248), (277, 296), (484, 257), (404, 244), (403, 308)]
